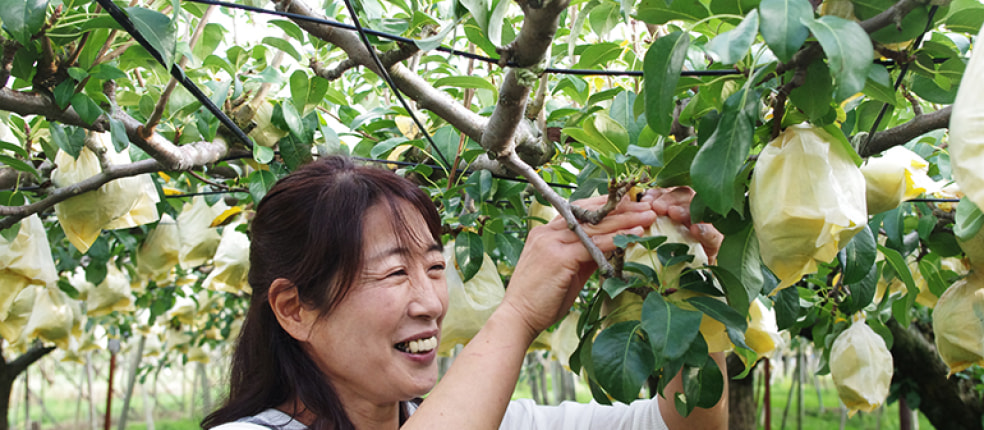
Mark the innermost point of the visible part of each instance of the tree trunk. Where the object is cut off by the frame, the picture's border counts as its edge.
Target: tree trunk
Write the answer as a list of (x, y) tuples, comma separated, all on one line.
[(131, 382), (948, 403), (741, 397), (9, 372)]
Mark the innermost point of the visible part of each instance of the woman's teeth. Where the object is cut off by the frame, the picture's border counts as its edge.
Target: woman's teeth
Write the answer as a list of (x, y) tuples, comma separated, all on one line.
[(418, 346)]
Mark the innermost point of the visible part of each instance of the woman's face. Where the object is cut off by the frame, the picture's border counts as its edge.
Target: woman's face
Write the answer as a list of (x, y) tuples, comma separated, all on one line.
[(379, 344)]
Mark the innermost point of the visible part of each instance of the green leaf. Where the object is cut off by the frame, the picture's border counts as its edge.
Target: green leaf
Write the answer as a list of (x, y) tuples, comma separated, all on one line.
[(117, 132), (469, 254), (720, 311), (19, 165), (677, 160), (968, 221), (858, 256), (598, 55), (930, 271), (739, 255), (489, 14), (661, 11), (703, 386), (622, 360), (299, 89), (787, 305), (262, 154), (731, 46), (63, 93), (283, 45), (436, 40), (719, 160), (814, 96), (782, 25), (260, 182), (510, 247), (834, 132), (72, 146), (862, 292), (159, 31), (381, 148), (900, 309), (661, 71), (292, 118), (849, 52), (294, 152), (671, 330), (87, 109), (466, 82), (23, 18), (603, 134)]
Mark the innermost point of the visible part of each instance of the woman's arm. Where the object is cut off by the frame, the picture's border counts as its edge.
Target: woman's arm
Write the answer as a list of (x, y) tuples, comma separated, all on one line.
[(552, 269)]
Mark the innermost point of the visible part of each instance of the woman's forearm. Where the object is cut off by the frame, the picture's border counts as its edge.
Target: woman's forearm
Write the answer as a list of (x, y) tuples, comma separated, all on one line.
[(475, 391)]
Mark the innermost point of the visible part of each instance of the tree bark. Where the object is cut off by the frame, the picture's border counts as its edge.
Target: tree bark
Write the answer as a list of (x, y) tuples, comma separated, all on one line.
[(9, 372), (948, 403), (741, 396)]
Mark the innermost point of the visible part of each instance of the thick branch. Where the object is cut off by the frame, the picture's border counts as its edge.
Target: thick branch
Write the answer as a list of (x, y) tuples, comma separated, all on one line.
[(901, 134), (411, 84), (13, 214), (171, 157), (17, 365), (541, 18), (563, 207), (508, 114)]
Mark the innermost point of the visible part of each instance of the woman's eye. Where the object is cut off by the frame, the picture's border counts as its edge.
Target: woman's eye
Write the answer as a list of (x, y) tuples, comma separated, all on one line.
[(439, 267), (397, 273)]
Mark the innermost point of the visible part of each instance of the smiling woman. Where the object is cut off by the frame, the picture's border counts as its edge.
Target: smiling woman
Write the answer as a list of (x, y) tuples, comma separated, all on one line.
[(349, 295)]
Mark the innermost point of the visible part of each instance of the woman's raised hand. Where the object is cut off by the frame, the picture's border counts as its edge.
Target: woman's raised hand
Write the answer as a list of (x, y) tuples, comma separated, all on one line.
[(554, 264), (675, 203)]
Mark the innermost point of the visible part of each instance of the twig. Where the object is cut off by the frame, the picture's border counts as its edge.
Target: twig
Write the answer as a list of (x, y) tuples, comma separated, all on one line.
[(616, 190), (469, 93), (779, 108), (155, 116), (903, 133), (10, 48), (563, 207)]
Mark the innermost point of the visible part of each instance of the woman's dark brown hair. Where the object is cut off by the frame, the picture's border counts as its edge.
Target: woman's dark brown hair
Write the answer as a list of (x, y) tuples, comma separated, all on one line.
[(308, 230)]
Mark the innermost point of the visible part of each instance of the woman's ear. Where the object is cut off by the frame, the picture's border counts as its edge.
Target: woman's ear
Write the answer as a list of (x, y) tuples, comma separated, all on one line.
[(291, 313)]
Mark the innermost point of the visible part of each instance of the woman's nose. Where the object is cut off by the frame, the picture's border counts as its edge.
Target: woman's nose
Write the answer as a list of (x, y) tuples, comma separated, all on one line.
[(429, 297)]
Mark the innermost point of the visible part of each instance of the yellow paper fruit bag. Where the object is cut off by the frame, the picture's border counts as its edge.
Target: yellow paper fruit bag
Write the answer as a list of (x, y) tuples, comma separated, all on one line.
[(861, 367), (122, 203), (564, 340), (23, 261), (898, 175), (762, 334), (20, 311), (958, 323), (158, 254), (112, 294), (199, 239), (54, 318), (231, 263), (807, 200), (470, 303), (966, 144)]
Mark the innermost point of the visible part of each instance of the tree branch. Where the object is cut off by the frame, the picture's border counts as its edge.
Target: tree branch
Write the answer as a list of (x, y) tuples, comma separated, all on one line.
[(541, 18), (901, 134), (17, 365), (13, 214), (155, 116), (892, 15), (563, 207)]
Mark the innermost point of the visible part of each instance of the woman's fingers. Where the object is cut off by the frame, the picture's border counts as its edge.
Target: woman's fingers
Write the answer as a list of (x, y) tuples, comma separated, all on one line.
[(710, 238), (671, 202)]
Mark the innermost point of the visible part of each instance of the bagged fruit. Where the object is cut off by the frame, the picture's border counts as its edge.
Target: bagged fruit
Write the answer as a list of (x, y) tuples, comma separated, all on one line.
[(54, 318), (121, 203), (19, 312), (861, 367), (24, 261), (199, 239), (470, 303), (762, 334), (111, 295), (807, 200), (958, 323), (966, 143), (669, 277), (158, 254), (231, 263), (897, 175)]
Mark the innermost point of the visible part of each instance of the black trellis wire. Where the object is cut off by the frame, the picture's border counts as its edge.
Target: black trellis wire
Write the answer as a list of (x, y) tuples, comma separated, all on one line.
[(389, 81), (490, 60), (397, 38), (120, 16)]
